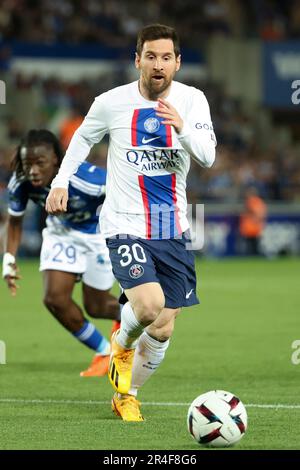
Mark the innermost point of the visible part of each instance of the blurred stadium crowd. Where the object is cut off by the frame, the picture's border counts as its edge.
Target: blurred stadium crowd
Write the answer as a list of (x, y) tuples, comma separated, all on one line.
[(248, 153), (116, 22)]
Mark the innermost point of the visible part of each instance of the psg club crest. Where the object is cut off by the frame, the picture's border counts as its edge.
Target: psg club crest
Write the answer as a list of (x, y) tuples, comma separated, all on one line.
[(147, 129), (151, 125), (136, 271)]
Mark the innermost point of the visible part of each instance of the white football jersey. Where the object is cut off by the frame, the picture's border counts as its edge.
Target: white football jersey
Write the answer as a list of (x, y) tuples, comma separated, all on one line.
[(148, 161)]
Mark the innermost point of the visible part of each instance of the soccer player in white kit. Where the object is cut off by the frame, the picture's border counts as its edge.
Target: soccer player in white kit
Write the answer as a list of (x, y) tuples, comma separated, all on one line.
[(155, 125)]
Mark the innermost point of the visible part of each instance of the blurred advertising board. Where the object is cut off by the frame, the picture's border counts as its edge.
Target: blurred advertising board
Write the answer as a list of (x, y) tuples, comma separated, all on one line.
[(281, 74), (281, 236)]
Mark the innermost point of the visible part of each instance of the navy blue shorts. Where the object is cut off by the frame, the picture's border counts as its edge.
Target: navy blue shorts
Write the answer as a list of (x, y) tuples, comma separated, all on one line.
[(136, 261)]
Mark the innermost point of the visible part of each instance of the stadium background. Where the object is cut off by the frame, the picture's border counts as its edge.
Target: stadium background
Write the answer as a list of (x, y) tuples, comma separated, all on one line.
[(55, 56)]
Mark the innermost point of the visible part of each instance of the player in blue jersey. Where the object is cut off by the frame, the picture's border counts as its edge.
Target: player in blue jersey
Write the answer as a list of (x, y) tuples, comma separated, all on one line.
[(72, 244)]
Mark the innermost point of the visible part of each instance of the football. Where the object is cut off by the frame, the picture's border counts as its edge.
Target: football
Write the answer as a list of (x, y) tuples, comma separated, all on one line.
[(217, 419)]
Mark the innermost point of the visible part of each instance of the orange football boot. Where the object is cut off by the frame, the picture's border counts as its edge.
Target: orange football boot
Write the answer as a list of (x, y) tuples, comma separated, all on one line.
[(127, 407), (97, 368)]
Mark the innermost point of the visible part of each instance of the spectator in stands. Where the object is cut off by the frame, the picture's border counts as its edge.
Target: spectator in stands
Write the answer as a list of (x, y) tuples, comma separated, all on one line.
[(252, 221), (69, 126)]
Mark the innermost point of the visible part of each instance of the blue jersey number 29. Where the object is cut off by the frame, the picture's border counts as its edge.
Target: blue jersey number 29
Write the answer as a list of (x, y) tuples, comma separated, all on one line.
[(64, 253)]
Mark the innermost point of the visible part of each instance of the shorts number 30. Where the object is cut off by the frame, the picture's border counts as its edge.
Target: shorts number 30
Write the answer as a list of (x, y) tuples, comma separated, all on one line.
[(128, 253)]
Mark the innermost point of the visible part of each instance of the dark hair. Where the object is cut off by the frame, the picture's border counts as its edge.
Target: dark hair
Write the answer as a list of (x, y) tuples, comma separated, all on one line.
[(157, 31), (32, 138)]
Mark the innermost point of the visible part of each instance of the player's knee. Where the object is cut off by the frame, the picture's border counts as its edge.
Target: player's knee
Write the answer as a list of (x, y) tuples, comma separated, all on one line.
[(162, 328), (93, 308), (148, 310), (55, 303)]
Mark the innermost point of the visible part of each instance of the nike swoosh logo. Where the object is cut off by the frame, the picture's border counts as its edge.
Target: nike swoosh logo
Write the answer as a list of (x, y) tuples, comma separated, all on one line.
[(189, 294), (146, 141)]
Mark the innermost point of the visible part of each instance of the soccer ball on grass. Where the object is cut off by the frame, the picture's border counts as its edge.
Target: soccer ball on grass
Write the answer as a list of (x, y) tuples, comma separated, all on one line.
[(217, 419)]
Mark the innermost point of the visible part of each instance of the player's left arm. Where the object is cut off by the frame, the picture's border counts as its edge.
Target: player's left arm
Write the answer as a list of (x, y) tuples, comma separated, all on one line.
[(195, 132)]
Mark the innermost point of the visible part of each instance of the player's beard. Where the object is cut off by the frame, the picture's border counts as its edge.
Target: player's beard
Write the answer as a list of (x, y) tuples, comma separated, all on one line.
[(156, 89)]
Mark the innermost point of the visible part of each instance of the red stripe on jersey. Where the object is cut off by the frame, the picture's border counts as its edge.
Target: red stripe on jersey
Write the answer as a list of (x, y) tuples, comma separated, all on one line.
[(146, 206), (134, 128), (176, 209), (169, 135)]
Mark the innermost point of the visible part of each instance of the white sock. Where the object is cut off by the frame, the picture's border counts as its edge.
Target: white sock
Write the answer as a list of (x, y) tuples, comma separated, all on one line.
[(148, 355), (131, 329)]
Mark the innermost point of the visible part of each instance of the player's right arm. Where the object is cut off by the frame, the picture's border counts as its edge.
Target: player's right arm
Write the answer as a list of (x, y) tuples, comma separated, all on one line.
[(13, 239), (91, 131)]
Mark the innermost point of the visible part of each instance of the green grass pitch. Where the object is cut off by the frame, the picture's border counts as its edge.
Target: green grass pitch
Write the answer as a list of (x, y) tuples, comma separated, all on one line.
[(239, 339)]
